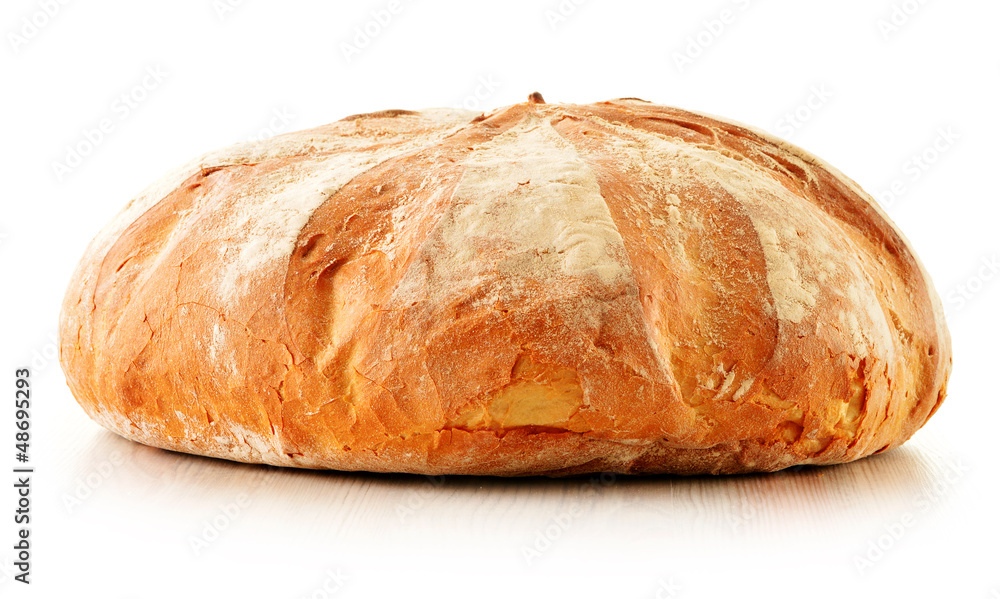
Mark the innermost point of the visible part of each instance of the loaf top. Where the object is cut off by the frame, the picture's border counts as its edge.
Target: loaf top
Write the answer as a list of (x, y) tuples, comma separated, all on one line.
[(390, 290)]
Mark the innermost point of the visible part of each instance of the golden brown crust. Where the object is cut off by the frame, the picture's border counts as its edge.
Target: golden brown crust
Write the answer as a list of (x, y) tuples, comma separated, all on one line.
[(546, 289)]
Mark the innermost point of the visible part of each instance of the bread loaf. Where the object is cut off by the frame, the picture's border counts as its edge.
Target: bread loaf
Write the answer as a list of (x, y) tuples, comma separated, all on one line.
[(544, 289)]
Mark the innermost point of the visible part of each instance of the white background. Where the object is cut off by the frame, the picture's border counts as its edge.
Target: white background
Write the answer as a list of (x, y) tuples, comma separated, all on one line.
[(869, 85)]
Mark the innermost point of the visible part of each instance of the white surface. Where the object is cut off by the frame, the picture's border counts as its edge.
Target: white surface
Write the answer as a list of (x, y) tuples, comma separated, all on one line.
[(875, 103)]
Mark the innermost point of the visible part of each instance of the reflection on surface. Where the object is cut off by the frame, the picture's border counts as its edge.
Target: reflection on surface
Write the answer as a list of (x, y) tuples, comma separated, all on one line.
[(326, 503)]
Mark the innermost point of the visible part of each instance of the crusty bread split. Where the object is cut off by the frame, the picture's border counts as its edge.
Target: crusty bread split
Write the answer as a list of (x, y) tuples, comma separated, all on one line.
[(544, 289)]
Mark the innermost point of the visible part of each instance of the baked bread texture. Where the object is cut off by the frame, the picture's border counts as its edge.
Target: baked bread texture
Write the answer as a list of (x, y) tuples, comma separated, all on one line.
[(544, 289)]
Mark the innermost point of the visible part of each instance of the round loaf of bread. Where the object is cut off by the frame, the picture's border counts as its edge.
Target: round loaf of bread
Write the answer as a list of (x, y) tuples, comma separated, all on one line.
[(545, 289)]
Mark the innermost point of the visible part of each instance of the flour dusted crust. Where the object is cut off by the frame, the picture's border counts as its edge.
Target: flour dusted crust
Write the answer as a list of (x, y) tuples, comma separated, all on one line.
[(545, 289)]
